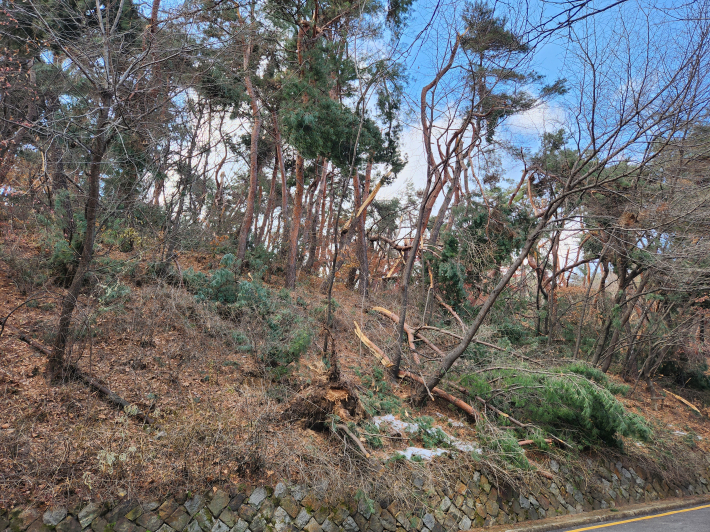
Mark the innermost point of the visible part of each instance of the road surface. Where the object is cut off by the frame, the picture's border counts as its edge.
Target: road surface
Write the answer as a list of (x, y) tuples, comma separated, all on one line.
[(696, 519)]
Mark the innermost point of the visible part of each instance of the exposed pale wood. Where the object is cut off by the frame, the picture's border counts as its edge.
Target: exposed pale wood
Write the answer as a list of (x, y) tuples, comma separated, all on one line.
[(407, 329), (365, 204), (411, 376), (684, 401), (345, 429), (523, 443), (384, 359)]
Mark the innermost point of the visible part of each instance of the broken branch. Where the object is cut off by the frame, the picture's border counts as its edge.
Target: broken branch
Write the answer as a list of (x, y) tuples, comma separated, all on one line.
[(93, 383)]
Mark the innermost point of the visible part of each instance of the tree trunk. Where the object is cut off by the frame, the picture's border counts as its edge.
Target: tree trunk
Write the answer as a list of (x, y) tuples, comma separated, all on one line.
[(630, 304), (285, 220), (253, 174), (296, 223), (269, 207), (453, 355), (56, 362)]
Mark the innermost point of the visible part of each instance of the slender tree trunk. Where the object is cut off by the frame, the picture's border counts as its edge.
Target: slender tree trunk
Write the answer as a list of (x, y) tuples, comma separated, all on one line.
[(285, 219), (362, 243), (624, 320), (291, 265), (253, 173), (319, 206), (56, 361), (268, 213)]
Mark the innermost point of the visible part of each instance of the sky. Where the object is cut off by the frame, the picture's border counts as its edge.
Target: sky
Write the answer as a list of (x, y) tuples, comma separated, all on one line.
[(425, 42)]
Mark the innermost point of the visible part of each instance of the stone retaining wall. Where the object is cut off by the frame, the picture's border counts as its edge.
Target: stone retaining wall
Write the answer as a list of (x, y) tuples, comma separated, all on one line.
[(475, 501)]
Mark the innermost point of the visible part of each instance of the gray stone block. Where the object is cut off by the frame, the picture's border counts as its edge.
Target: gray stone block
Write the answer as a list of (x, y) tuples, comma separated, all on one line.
[(135, 513), (258, 524), (313, 526), (193, 526), (257, 497), (228, 517), (195, 504), (219, 502), (302, 518), (54, 516), (280, 490), (166, 528), (205, 519), (282, 520), (247, 512), (101, 525), (291, 506), (330, 526), (240, 526), (122, 525), (298, 493), (350, 525), (178, 519), (150, 521), (167, 509), (219, 526), (236, 502)]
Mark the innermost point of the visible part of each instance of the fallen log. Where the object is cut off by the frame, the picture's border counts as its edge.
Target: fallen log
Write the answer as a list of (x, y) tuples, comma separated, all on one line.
[(87, 379), (682, 400), (384, 359), (353, 438), (522, 443), (514, 421)]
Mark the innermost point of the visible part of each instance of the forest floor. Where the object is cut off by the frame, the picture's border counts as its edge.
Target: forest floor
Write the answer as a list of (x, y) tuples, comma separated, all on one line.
[(220, 418)]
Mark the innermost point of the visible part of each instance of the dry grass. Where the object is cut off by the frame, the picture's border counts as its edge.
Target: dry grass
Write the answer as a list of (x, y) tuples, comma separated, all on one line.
[(219, 413)]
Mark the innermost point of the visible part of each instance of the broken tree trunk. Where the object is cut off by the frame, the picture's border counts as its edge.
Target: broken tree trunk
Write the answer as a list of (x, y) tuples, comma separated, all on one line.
[(403, 374)]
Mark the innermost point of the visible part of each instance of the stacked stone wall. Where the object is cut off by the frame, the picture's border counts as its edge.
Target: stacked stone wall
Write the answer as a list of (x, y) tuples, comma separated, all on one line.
[(475, 500)]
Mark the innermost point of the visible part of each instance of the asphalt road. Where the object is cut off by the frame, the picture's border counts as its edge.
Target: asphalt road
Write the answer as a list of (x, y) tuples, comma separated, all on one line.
[(695, 519)]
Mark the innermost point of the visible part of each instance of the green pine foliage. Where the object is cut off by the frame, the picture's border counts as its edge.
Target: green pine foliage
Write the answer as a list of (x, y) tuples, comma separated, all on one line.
[(480, 242), (281, 331), (575, 402)]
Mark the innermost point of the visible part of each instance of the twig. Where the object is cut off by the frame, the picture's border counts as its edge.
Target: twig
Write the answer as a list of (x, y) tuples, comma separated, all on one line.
[(452, 311)]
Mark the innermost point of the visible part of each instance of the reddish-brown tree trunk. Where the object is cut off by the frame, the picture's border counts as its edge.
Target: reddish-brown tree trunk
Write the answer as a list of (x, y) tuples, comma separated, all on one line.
[(253, 173), (296, 225)]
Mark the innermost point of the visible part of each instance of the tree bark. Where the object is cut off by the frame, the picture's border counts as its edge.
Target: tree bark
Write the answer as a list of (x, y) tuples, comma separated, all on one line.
[(296, 223), (56, 362), (253, 173)]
